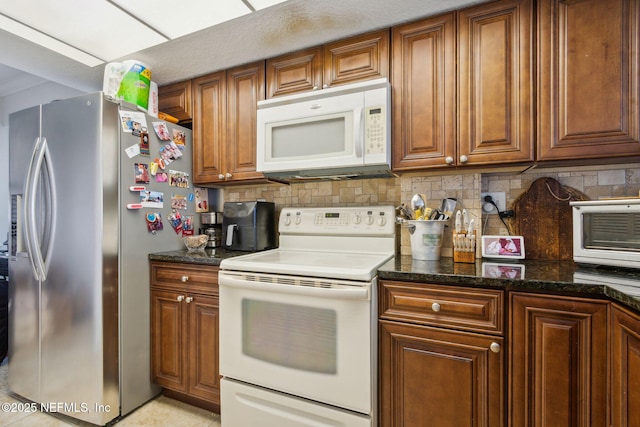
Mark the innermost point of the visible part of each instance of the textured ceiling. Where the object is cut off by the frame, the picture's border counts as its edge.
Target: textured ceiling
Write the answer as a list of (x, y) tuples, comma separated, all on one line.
[(286, 27)]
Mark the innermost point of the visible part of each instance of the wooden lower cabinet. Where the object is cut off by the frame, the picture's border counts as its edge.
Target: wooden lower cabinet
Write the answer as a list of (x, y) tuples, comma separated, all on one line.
[(441, 355), (438, 377), (557, 361), (625, 368), (184, 337)]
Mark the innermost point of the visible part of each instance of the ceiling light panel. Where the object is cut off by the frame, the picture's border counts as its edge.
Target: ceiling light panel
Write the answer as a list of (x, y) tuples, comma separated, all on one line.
[(176, 19), (50, 43), (93, 26)]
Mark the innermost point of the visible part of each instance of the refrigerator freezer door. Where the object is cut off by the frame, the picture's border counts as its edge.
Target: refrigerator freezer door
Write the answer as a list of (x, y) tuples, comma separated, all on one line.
[(24, 288)]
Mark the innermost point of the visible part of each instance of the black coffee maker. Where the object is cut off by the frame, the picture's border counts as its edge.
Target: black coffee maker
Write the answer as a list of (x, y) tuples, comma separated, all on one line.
[(248, 226)]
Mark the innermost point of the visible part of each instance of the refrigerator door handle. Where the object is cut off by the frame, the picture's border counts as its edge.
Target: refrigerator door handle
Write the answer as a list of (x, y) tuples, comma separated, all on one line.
[(28, 210), (52, 211), (40, 161)]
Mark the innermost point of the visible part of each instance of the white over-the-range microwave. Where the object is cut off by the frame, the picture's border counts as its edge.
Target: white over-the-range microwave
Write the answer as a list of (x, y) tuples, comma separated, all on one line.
[(339, 132), (607, 232)]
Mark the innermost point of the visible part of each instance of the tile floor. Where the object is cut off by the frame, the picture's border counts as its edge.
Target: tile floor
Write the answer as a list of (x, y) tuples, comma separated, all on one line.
[(161, 411)]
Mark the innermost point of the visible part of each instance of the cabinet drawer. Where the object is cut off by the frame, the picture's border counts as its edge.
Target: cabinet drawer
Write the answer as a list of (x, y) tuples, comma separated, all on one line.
[(470, 309), (181, 276)]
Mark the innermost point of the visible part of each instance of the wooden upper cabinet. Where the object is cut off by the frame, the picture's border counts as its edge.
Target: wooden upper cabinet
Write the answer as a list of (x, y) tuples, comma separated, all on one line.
[(224, 131), (495, 86), (346, 61), (558, 361), (209, 127), (175, 100), (245, 86), (588, 79), (423, 98), (295, 72), (358, 58)]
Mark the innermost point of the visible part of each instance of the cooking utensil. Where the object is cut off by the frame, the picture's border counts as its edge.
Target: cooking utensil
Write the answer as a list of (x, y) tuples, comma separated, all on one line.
[(417, 205), (448, 206), (458, 222)]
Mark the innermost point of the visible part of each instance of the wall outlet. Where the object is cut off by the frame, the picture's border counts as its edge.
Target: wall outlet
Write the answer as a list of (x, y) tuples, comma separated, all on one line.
[(499, 198)]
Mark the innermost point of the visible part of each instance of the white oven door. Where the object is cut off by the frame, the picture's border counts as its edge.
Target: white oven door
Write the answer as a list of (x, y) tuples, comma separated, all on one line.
[(307, 337)]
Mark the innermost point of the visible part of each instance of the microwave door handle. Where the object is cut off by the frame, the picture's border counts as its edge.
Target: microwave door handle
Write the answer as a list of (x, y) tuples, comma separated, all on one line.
[(359, 131), (230, 230)]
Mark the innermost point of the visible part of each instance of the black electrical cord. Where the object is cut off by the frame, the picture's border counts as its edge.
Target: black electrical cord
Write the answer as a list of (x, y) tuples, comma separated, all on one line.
[(501, 215)]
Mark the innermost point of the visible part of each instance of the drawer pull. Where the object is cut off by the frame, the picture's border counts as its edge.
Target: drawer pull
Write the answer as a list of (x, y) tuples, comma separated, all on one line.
[(184, 278), (495, 347), (188, 300), (435, 307), (180, 298)]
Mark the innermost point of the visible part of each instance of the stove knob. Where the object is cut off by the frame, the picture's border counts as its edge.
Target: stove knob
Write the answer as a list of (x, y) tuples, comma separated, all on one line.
[(382, 221), (297, 220), (357, 219), (287, 220), (369, 220)]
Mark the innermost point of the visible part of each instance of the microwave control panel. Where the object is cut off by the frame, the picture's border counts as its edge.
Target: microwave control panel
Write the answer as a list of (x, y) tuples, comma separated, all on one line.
[(375, 130)]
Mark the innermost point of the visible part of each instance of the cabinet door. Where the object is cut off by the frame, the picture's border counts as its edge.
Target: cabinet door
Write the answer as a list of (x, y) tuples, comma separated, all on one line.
[(558, 361), (436, 377), (204, 376), (175, 99), (209, 127), (246, 87), (358, 58), (588, 79), (168, 364), (625, 368), (423, 83), (495, 85), (295, 72)]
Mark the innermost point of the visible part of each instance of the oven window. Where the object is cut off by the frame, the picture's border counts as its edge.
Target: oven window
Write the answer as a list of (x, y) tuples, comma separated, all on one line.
[(290, 335)]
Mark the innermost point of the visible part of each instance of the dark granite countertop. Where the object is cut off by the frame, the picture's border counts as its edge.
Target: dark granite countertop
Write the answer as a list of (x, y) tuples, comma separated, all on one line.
[(209, 257), (566, 277)]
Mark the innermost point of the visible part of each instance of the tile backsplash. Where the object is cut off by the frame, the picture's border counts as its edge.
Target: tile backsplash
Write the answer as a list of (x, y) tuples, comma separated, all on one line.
[(594, 182)]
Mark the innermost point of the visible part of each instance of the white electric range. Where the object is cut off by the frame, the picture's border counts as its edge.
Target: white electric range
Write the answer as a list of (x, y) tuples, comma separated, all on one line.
[(298, 334)]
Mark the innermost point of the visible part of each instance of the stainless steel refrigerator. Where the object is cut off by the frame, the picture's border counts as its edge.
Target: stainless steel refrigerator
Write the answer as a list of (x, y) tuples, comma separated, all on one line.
[(79, 309)]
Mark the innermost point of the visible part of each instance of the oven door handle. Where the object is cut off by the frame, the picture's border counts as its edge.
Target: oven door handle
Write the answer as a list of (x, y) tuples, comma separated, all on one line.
[(357, 293)]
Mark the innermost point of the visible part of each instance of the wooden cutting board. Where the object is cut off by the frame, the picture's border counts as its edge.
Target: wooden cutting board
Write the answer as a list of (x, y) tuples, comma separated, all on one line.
[(543, 218)]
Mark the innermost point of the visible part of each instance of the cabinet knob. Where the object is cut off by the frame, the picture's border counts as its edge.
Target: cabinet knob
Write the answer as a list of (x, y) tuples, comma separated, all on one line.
[(180, 298), (227, 175), (435, 307), (184, 279), (315, 88), (324, 86), (464, 159), (495, 347), (189, 299), (448, 160), (221, 176)]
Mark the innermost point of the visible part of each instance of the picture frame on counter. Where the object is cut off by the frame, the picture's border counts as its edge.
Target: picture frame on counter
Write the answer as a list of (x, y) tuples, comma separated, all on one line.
[(503, 247)]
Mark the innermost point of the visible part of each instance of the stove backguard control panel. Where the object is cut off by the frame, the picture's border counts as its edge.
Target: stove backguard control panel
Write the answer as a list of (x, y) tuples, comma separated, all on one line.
[(368, 220)]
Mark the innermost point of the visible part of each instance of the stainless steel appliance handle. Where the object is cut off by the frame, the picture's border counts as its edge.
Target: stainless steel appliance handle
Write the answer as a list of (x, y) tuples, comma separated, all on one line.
[(345, 293), (53, 208), (41, 156), (28, 209)]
